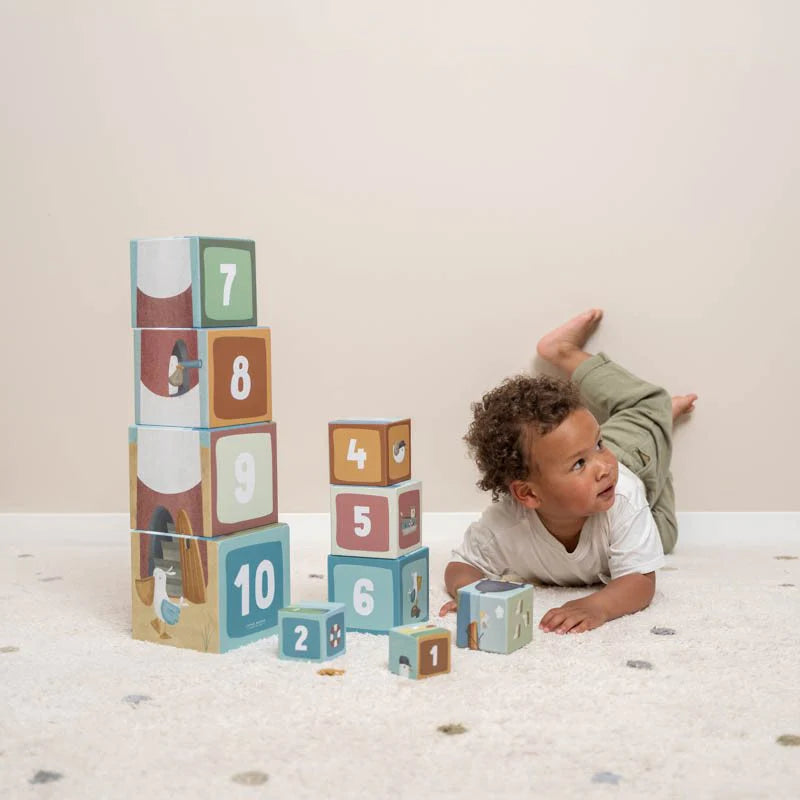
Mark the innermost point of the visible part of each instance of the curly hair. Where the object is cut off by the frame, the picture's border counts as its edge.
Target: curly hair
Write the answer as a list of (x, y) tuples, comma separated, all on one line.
[(502, 420)]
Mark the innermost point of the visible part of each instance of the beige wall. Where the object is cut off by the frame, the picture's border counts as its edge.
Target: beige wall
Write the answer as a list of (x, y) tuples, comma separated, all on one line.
[(431, 186)]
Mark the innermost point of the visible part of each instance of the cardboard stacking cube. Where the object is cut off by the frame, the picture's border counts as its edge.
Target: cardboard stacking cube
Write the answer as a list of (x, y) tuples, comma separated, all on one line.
[(369, 452), (203, 482), (419, 651), (495, 616), (202, 378), (379, 521), (209, 594), (193, 282), (380, 593), (311, 631)]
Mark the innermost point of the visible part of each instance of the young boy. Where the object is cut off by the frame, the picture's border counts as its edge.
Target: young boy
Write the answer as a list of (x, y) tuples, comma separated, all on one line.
[(575, 501)]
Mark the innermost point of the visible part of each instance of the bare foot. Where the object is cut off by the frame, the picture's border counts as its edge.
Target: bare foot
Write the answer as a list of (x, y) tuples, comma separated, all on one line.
[(563, 346), (682, 404)]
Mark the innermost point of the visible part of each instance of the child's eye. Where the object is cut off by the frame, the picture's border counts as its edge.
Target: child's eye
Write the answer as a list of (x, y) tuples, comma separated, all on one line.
[(578, 465)]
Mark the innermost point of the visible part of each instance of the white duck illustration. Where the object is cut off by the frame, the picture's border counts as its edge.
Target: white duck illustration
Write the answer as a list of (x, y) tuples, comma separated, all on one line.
[(167, 612)]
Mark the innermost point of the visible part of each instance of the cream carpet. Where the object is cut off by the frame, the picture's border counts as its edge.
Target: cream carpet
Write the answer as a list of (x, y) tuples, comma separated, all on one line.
[(708, 710)]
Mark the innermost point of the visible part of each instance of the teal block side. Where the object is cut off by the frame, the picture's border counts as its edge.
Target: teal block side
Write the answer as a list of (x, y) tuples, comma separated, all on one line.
[(197, 307), (403, 654), (503, 617), (251, 592), (311, 631)]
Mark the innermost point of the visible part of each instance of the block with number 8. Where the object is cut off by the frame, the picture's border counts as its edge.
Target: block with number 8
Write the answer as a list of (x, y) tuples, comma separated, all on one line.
[(311, 631), (384, 522), (193, 282), (203, 482), (369, 452), (209, 594), (202, 378), (380, 593), (419, 651)]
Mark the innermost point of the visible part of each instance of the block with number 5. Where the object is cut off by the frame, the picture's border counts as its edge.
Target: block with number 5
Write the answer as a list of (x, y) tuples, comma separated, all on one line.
[(209, 594), (380, 593), (202, 378), (369, 452), (193, 282), (419, 651), (384, 522), (203, 482), (311, 631)]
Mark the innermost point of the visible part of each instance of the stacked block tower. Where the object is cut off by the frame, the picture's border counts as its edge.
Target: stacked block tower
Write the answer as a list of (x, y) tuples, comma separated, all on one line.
[(209, 560), (378, 567)]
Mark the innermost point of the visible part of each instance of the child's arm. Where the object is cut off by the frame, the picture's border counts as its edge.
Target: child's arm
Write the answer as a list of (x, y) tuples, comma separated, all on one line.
[(624, 595), (456, 575)]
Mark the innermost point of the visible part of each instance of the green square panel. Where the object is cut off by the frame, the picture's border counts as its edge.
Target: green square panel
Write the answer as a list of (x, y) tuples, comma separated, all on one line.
[(228, 275)]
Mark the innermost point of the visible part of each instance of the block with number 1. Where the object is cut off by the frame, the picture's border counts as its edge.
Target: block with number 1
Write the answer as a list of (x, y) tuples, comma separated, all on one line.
[(369, 452)]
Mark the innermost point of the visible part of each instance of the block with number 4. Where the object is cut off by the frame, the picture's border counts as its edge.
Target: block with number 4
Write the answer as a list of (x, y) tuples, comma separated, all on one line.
[(193, 282), (419, 651), (209, 594), (495, 616), (202, 378), (369, 452), (203, 482), (380, 593), (379, 521), (311, 631)]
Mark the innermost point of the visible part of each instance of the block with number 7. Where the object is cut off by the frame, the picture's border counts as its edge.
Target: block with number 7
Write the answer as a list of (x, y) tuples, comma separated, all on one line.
[(202, 378), (380, 593), (369, 452), (378, 521), (311, 631)]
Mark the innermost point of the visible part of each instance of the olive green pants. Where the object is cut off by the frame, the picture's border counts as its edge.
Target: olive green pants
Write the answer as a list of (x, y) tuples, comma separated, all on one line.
[(636, 421)]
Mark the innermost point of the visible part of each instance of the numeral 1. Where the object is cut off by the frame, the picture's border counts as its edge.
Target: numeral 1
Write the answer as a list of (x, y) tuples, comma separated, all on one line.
[(435, 655)]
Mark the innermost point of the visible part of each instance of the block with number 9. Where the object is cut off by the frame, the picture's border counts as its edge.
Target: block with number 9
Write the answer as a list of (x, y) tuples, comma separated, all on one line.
[(419, 651), (384, 522), (209, 594), (369, 452), (311, 631), (203, 482), (380, 593), (193, 282), (202, 378)]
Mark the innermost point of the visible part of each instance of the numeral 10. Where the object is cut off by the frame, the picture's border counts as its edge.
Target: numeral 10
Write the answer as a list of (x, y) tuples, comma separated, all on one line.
[(263, 598)]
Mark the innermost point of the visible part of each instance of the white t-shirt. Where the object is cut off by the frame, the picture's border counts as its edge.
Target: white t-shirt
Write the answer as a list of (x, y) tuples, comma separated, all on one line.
[(510, 540)]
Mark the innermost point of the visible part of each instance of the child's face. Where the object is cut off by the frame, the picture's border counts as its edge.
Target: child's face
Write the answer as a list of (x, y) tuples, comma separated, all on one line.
[(572, 473)]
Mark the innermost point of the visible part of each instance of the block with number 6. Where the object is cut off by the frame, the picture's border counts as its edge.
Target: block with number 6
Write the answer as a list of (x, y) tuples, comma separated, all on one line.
[(209, 594), (311, 631), (203, 482), (369, 452), (202, 378), (384, 522), (380, 593), (419, 651), (193, 282)]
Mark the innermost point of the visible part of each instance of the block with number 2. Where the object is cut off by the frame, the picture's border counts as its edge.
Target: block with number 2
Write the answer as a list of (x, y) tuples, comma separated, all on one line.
[(209, 594), (369, 452), (384, 522), (380, 593), (311, 631)]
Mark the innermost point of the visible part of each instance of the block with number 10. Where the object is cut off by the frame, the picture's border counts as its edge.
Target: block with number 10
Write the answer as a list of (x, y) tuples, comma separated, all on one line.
[(369, 452), (383, 522)]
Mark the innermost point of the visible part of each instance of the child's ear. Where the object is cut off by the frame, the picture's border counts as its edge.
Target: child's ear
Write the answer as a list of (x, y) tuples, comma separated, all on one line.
[(524, 494)]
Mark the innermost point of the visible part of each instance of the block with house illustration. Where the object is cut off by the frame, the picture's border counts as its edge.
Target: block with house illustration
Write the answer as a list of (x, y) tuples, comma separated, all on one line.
[(495, 616), (210, 595), (369, 452), (203, 482), (419, 651), (311, 631), (376, 521), (193, 282), (200, 378)]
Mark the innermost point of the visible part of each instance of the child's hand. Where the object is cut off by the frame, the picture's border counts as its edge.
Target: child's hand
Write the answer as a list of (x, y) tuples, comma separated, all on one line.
[(449, 606), (576, 616)]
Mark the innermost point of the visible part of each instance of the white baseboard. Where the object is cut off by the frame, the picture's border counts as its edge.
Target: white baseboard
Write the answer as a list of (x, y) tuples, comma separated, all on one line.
[(705, 528)]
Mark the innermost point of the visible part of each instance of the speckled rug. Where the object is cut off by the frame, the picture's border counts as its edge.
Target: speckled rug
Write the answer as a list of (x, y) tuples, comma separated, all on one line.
[(697, 696)]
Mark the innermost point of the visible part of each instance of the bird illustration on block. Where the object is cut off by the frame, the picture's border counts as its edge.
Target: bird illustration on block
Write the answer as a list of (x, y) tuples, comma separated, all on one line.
[(167, 612)]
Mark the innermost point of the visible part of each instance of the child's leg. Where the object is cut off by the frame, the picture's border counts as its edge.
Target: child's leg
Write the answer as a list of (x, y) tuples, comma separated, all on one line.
[(636, 422)]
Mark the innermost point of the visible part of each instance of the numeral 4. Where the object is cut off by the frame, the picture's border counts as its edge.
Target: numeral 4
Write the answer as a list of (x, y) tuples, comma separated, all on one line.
[(359, 456)]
